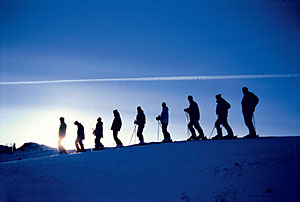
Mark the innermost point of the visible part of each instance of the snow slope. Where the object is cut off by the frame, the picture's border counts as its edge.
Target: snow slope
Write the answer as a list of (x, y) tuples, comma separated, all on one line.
[(265, 169)]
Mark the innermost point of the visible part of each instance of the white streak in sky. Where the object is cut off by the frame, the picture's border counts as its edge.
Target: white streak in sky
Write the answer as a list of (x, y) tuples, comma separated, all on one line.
[(169, 78)]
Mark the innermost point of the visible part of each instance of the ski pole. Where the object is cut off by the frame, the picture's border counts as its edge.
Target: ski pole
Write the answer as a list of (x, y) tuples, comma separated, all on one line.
[(157, 130), (254, 123), (212, 132), (135, 139), (132, 133), (187, 125)]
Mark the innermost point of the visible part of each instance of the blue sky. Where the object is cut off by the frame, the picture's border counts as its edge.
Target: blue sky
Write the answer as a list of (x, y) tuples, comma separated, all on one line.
[(52, 40)]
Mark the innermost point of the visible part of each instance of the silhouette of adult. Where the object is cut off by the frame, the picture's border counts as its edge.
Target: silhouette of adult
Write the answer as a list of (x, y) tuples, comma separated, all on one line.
[(116, 127), (249, 103), (164, 120), (222, 112), (140, 120), (80, 137), (194, 114), (98, 132), (61, 135)]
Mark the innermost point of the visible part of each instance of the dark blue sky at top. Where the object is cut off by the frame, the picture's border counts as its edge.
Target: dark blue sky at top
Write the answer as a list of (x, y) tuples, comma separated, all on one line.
[(59, 39), (76, 39)]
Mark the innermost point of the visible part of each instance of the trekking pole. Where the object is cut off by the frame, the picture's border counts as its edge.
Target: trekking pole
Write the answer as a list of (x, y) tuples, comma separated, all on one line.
[(157, 130), (135, 139), (187, 125), (254, 123), (212, 132), (132, 133)]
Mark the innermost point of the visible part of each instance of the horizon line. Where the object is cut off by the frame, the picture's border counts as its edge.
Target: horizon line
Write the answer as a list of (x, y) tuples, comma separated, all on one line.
[(164, 78)]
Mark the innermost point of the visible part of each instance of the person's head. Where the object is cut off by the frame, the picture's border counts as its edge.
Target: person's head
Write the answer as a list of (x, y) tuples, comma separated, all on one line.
[(163, 105), (190, 98), (76, 123), (139, 108), (116, 113), (99, 119), (245, 90), (218, 97), (61, 119)]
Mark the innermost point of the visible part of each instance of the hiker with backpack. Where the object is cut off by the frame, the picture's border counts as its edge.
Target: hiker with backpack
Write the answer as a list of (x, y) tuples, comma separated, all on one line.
[(222, 112), (164, 120), (116, 127), (140, 121), (98, 132), (80, 137), (194, 113), (249, 103), (61, 135)]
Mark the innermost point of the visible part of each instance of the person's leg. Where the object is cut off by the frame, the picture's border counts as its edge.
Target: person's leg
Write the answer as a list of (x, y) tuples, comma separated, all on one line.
[(248, 122), (101, 145), (76, 145), (140, 133), (97, 142), (199, 129), (191, 128), (118, 142), (167, 135), (81, 145), (219, 129), (227, 127)]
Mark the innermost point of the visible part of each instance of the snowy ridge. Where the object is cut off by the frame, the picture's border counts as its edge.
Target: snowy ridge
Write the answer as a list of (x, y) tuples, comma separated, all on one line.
[(263, 169)]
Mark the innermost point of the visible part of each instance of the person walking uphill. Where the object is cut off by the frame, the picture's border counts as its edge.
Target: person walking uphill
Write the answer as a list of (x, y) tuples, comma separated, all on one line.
[(98, 132), (194, 114), (116, 127), (222, 112), (249, 103), (164, 120), (61, 135), (140, 121), (80, 137)]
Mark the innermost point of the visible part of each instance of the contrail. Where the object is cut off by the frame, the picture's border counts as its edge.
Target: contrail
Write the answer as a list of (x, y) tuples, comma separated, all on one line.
[(168, 78)]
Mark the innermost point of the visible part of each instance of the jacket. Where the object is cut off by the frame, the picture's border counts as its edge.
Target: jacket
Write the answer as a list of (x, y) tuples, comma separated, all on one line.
[(164, 116)]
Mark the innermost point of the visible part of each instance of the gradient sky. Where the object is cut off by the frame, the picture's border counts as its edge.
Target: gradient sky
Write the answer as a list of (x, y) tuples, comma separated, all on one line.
[(60, 39)]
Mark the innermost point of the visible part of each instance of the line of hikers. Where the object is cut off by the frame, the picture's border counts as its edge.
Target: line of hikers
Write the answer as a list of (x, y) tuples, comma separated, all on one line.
[(249, 102)]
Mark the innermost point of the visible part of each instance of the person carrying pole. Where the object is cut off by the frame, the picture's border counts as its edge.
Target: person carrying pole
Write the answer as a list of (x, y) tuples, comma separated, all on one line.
[(164, 120), (140, 121), (222, 112), (194, 114)]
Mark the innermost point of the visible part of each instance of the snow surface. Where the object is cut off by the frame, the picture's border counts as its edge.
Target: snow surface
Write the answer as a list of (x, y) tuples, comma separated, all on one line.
[(265, 169)]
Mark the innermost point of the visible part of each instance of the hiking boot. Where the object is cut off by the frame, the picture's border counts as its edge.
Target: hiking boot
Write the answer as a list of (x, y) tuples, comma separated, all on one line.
[(192, 138), (167, 140), (201, 138), (229, 137), (251, 136), (217, 137), (142, 142)]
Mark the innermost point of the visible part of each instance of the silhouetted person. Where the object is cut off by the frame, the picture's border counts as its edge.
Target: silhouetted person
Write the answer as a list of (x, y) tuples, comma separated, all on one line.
[(98, 132), (140, 121), (116, 127), (61, 135), (194, 114), (80, 137), (249, 103), (164, 120), (222, 112)]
